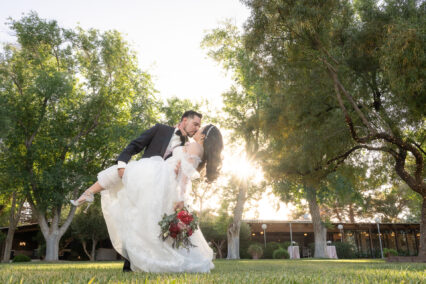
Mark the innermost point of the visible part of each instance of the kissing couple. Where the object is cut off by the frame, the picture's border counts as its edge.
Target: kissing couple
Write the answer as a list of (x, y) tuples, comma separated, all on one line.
[(135, 195)]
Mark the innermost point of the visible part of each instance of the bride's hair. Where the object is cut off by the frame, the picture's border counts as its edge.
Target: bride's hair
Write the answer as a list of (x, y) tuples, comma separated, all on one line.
[(213, 146)]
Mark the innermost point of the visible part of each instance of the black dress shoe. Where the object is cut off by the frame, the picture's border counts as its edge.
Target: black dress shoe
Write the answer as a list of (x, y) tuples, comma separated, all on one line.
[(126, 266)]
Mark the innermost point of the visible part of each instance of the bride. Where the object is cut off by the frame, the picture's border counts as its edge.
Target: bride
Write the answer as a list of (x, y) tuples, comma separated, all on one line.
[(133, 206)]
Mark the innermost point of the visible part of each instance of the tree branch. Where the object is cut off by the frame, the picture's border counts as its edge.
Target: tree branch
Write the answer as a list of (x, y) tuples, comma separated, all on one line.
[(418, 146), (68, 221), (43, 112), (17, 85), (80, 134), (67, 243), (338, 86)]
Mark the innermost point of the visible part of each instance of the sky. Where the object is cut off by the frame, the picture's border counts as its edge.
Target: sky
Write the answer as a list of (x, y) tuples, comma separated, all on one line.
[(166, 35)]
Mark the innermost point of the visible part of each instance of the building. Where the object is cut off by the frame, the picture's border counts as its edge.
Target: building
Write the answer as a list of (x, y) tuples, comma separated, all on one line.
[(24, 241), (28, 237), (403, 237)]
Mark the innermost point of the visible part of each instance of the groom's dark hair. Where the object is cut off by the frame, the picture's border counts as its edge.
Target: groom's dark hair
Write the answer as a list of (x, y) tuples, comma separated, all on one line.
[(191, 114)]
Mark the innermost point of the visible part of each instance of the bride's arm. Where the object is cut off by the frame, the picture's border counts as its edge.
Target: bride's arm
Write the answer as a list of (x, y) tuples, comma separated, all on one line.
[(188, 169)]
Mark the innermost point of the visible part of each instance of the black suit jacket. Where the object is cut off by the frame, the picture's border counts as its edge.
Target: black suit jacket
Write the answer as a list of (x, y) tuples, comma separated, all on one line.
[(154, 140)]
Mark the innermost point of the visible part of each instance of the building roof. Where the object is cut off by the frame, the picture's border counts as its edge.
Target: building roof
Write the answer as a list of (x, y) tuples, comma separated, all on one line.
[(307, 226), (22, 227), (255, 221)]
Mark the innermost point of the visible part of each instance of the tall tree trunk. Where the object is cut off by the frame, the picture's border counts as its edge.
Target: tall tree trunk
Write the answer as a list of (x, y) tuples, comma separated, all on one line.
[(320, 231), (84, 244), (234, 228), (92, 254), (233, 241), (14, 216), (52, 246), (94, 243), (422, 243), (53, 233)]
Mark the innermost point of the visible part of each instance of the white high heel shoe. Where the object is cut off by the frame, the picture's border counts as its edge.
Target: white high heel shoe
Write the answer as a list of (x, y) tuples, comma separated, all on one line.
[(87, 197)]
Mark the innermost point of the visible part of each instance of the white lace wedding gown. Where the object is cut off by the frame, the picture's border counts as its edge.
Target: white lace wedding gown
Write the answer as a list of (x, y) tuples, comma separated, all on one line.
[(134, 205)]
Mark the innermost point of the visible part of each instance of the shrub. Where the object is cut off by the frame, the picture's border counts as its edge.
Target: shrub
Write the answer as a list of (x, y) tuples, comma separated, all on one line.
[(244, 251), (2, 236), (376, 253), (270, 248), (362, 255), (345, 250), (281, 254), (21, 258), (255, 250), (388, 252), (285, 245), (403, 253), (311, 247), (245, 242)]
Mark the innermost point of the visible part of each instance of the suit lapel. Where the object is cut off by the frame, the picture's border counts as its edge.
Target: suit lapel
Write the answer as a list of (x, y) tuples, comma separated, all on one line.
[(183, 143), (168, 135)]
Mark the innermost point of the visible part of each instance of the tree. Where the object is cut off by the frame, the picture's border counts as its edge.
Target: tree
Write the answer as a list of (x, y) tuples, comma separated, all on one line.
[(372, 56), (233, 231), (344, 201), (214, 230), (348, 194), (396, 204), (235, 196), (242, 106), (202, 191), (175, 107), (244, 101), (13, 200), (75, 98), (90, 227), (16, 205)]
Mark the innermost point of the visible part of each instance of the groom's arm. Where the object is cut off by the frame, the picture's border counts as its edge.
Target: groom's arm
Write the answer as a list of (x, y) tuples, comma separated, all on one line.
[(138, 144)]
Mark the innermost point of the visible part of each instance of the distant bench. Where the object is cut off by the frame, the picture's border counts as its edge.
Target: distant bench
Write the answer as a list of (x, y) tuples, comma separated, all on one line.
[(106, 254), (405, 259)]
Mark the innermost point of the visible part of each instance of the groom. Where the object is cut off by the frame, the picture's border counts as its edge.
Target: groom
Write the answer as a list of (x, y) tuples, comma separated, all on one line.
[(159, 140)]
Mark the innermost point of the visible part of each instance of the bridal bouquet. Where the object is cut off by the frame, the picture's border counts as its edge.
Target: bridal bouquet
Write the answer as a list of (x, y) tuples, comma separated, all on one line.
[(179, 226)]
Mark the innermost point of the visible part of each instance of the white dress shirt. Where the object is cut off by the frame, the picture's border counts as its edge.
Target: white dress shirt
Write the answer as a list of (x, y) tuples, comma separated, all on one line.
[(174, 142)]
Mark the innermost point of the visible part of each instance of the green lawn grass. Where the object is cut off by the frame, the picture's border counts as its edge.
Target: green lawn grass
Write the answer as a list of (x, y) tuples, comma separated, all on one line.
[(226, 271)]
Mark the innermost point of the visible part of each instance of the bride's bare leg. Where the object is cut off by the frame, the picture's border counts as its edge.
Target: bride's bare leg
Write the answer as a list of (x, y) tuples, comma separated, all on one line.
[(108, 178), (93, 189)]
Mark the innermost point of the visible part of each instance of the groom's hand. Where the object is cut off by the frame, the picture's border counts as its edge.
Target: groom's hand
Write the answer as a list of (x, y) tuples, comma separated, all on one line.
[(121, 172), (178, 205), (182, 130), (177, 168)]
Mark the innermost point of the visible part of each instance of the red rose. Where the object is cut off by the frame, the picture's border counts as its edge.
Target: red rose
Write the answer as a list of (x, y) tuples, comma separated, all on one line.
[(189, 219), (185, 217), (182, 214), (174, 228), (189, 232), (181, 226)]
